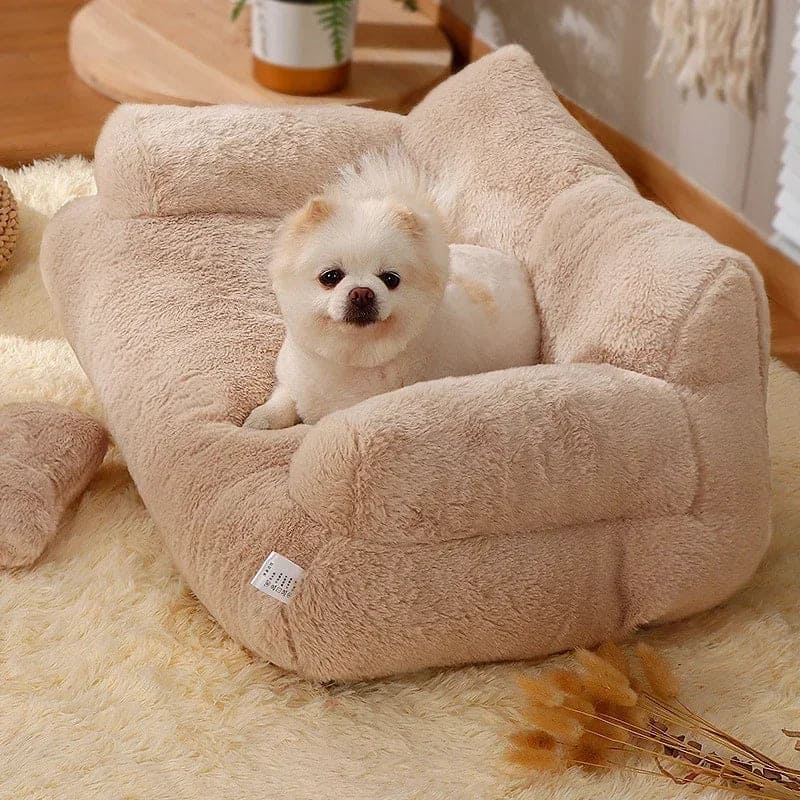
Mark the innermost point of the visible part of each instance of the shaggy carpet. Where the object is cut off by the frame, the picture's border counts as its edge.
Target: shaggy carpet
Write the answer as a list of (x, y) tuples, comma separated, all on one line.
[(115, 683)]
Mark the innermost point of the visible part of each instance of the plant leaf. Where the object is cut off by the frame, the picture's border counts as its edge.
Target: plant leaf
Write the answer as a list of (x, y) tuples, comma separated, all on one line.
[(334, 16), (237, 9)]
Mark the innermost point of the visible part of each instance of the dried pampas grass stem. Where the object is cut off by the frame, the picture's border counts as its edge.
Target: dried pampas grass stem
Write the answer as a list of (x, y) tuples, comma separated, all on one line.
[(606, 712)]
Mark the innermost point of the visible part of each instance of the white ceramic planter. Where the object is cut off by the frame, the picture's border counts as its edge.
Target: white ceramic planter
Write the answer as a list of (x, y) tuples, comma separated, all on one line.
[(302, 46)]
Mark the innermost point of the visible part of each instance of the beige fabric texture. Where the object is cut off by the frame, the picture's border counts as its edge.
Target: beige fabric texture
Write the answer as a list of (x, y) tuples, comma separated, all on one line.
[(48, 455), (508, 515), (117, 683)]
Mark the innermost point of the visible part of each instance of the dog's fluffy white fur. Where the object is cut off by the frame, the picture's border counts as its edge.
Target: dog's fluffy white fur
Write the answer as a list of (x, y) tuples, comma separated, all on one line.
[(372, 302)]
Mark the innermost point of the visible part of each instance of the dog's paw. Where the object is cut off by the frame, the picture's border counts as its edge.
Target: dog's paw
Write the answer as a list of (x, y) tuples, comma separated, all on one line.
[(270, 417)]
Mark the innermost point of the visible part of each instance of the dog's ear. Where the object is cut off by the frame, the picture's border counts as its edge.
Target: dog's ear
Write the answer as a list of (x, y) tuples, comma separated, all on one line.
[(408, 221), (290, 232), (315, 211)]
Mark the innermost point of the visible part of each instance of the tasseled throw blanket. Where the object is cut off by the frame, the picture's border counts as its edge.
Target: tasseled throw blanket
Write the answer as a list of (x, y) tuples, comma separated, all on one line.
[(715, 45)]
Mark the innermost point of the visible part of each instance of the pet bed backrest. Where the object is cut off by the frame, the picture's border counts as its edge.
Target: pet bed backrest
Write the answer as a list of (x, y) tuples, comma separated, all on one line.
[(169, 160), (533, 184), (497, 139)]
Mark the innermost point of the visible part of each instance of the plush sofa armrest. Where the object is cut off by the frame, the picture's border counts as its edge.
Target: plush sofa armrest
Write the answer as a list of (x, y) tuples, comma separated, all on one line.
[(168, 160), (519, 450)]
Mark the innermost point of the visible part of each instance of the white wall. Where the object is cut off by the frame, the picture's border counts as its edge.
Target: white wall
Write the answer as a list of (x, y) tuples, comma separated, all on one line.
[(597, 52)]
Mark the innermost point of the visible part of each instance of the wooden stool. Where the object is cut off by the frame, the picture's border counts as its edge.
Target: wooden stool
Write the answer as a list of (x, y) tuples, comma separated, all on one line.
[(188, 52)]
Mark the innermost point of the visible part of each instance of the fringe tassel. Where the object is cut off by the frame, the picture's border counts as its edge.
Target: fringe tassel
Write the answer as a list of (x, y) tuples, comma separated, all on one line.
[(716, 45)]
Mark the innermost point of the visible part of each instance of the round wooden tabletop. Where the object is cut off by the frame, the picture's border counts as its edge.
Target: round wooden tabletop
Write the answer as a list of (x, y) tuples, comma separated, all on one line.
[(188, 52)]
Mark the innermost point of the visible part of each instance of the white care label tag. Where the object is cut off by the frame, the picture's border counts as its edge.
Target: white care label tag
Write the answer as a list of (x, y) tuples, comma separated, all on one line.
[(278, 577)]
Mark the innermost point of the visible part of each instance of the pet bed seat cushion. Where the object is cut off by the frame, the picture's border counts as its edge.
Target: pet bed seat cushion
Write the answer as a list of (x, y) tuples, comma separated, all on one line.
[(622, 482)]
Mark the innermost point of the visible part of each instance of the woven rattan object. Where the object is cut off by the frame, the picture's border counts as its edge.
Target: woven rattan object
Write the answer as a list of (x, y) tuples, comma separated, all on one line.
[(8, 224)]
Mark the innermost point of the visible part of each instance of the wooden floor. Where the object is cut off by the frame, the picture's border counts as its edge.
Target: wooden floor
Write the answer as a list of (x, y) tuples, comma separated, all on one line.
[(45, 110)]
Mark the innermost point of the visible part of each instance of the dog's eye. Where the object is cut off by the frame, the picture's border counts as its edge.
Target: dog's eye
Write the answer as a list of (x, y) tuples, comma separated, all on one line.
[(391, 279), (331, 277)]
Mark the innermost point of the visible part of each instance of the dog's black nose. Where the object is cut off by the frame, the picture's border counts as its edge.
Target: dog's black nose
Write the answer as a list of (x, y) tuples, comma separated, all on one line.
[(361, 296)]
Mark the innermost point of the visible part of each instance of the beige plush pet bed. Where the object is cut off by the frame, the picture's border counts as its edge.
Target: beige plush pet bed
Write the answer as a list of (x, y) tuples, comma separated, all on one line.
[(507, 515)]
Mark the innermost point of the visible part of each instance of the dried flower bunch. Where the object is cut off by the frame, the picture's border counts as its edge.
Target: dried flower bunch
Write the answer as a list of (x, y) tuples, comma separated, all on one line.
[(604, 713)]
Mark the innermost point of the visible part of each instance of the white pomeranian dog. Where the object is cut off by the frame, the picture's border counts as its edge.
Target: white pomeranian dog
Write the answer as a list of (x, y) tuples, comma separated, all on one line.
[(372, 300)]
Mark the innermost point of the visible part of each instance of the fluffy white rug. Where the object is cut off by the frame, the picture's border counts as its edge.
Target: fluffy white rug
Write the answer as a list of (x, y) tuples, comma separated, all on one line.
[(115, 683)]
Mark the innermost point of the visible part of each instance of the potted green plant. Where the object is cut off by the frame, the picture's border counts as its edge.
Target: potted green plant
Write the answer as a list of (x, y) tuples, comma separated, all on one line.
[(302, 46)]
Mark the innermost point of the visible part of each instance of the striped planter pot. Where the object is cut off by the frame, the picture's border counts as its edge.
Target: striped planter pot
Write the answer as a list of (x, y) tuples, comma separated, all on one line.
[(302, 46)]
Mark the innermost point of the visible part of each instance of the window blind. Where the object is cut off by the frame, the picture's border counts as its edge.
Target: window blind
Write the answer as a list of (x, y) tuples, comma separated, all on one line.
[(787, 217)]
